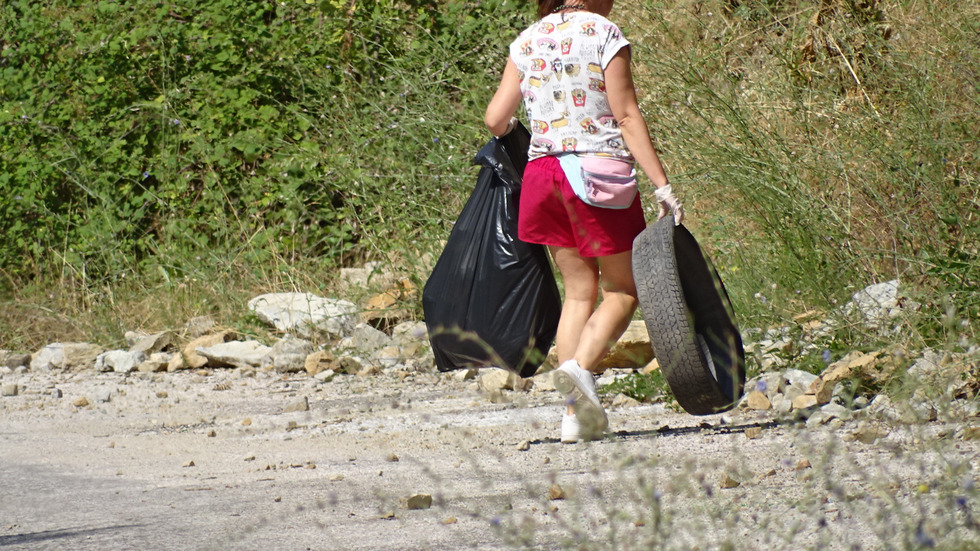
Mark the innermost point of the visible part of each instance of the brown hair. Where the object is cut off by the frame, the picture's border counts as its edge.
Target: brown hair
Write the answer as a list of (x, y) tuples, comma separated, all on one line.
[(547, 6)]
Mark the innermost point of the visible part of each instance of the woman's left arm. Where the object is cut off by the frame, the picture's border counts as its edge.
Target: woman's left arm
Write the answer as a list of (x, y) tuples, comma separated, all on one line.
[(505, 101), (622, 100)]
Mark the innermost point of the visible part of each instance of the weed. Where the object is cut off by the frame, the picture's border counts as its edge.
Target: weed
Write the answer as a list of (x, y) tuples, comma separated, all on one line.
[(650, 387)]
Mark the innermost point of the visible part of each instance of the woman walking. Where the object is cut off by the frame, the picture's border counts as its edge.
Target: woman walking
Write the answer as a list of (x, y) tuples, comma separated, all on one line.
[(571, 70)]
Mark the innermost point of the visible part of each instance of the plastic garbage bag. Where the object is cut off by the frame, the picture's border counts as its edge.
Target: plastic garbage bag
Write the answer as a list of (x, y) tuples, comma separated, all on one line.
[(491, 299)]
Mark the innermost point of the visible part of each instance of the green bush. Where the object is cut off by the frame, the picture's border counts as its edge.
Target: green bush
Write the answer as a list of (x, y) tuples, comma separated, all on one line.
[(178, 135)]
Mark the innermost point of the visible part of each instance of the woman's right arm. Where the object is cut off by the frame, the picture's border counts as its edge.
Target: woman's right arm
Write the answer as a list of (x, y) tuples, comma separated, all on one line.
[(505, 101)]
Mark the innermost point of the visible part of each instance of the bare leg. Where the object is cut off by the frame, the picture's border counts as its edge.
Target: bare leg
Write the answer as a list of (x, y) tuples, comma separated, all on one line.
[(614, 313), (585, 332), (581, 278)]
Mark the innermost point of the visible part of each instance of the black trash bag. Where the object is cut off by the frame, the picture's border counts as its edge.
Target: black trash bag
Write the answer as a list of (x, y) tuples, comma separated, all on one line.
[(491, 299)]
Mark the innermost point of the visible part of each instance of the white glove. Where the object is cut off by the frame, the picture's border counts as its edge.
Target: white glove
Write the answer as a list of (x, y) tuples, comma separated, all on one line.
[(669, 203)]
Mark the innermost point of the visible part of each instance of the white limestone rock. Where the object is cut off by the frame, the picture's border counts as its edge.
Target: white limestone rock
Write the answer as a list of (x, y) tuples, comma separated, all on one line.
[(305, 314)]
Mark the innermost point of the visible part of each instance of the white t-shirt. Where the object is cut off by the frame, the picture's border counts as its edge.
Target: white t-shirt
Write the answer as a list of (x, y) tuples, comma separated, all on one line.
[(561, 60)]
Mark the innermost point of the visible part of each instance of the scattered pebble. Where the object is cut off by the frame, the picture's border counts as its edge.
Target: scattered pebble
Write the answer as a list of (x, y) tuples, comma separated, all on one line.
[(299, 405), (727, 482), (417, 501)]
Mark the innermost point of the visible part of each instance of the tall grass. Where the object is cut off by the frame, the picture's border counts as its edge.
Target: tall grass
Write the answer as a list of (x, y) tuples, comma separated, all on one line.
[(822, 146)]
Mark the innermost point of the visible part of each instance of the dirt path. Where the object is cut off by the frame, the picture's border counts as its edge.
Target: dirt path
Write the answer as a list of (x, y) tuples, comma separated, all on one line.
[(194, 461)]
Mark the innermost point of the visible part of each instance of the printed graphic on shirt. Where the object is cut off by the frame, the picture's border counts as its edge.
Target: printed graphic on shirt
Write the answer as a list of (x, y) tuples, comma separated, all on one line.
[(589, 125), (547, 45), (560, 62), (556, 67), (543, 144), (608, 121), (561, 121)]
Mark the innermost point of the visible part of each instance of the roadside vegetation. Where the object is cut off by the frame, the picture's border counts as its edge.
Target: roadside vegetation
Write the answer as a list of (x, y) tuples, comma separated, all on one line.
[(162, 161), (167, 160)]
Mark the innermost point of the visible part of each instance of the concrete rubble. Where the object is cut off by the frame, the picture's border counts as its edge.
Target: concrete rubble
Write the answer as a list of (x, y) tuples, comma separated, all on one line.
[(326, 338)]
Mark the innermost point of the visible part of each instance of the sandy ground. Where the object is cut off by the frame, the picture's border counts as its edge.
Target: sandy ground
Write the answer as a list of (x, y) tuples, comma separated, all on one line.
[(210, 460)]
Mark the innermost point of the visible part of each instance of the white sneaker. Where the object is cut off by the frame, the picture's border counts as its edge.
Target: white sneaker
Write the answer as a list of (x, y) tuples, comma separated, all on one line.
[(571, 432), (578, 387)]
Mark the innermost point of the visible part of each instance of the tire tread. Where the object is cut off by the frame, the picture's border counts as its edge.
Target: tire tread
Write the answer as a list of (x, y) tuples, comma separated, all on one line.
[(671, 324)]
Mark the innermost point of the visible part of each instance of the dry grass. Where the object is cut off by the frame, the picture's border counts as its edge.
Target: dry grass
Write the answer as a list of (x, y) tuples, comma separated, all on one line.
[(819, 144)]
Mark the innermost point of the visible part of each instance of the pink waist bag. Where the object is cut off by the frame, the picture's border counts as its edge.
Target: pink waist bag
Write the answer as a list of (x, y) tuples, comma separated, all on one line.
[(601, 181)]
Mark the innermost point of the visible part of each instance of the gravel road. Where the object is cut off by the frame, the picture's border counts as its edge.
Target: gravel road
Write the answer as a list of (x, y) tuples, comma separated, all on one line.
[(213, 460)]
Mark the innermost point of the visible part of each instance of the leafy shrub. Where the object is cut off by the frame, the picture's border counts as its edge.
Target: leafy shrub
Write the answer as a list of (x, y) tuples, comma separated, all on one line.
[(143, 135)]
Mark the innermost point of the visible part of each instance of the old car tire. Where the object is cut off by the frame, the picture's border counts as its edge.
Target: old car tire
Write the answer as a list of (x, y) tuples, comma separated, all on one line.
[(689, 318)]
